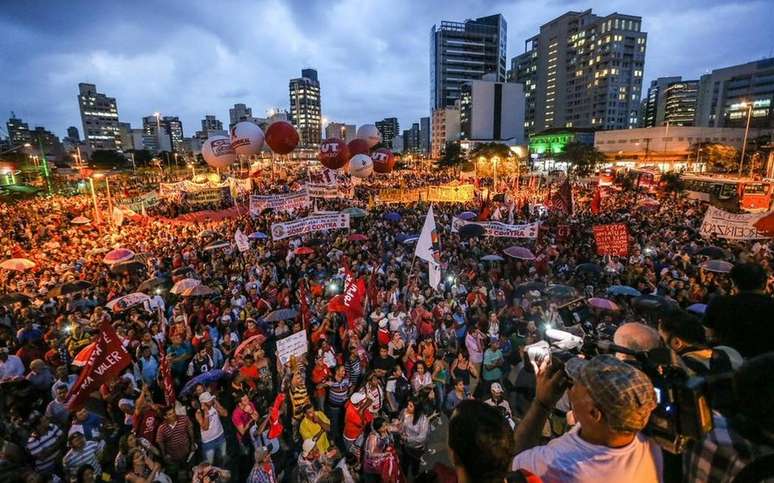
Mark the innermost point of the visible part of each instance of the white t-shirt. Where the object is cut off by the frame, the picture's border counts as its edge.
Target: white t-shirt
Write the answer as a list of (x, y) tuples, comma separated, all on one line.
[(216, 428), (569, 458)]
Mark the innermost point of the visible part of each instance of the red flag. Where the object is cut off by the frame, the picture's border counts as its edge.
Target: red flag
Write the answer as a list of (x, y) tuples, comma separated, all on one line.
[(106, 361), (275, 426), (765, 224), (371, 291), (596, 202), (485, 210), (351, 301), (562, 199), (165, 377)]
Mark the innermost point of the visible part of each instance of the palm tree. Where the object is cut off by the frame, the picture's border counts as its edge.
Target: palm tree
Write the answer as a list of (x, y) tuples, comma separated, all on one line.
[(673, 183)]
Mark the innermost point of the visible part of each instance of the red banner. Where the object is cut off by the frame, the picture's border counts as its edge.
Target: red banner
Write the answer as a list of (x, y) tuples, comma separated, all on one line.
[(165, 377), (612, 239), (596, 202), (351, 301), (106, 361)]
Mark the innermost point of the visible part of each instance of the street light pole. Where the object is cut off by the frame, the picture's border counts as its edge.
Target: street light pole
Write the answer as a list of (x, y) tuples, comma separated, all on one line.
[(495, 160), (94, 199), (746, 131)]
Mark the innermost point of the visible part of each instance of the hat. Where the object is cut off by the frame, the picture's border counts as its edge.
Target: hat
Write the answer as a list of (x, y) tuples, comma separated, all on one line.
[(205, 397), (496, 388), (625, 394), (307, 447), (357, 398)]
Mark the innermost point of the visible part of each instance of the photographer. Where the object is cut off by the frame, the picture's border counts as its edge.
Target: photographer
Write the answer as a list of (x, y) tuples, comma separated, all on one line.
[(742, 442), (611, 402)]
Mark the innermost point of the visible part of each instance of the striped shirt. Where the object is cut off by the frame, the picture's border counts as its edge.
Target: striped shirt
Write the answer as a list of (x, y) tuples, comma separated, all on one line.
[(298, 399), (39, 448), (175, 440), (354, 370), (88, 455), (338, 392)]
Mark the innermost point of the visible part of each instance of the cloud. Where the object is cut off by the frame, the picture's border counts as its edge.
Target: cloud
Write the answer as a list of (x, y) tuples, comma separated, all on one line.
[(191, 58)]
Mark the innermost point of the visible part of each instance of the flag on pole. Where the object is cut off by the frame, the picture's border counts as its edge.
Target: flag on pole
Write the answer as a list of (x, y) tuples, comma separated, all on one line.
[(434, 274), (165, 377), (427, 245)]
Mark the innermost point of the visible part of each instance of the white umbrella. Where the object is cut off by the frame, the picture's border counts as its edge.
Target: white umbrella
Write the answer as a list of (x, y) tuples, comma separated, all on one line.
[(197, 291), (185, 284), (127, 301), (80, 220), (18, 264)]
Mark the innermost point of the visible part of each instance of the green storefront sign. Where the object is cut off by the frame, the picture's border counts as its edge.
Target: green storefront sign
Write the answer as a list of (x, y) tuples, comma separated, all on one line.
[(550, 143)]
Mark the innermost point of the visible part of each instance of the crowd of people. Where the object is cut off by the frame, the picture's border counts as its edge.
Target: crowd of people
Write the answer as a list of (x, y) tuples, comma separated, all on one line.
[(428, 385)]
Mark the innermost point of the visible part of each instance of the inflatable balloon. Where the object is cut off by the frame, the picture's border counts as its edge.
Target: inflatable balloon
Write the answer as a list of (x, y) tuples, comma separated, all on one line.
[(246, 138), (358, 146), (370, 134), (383, 159), (281, 137), (217, 152), (361, 166), (333, 153)]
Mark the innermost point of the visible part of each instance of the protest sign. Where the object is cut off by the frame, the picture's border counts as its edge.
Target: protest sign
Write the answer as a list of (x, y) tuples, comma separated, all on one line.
[(292, 345), (498, 229), (731, 226), (326, 191), (279, 202), (612, 239), (310, 224), (208, 195)]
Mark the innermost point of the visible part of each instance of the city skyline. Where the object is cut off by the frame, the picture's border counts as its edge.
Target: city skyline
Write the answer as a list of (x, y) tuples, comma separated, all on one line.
[(204, 64)]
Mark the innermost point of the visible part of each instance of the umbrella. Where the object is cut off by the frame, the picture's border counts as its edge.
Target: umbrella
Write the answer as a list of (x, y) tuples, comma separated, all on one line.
[(182, 271), (131, 266), (561, 291), (197, 291), (258, 235), (118, 255), (206, 378), (604, 304), (719, 266), (303, 251), (216, 245), (623, 290), (207, 234), (281, 314), (697, 308), (357, 237), (185, 284), (471, 231), (354, 212), (492, 258), (392, 216), (589, 267), (712, 252), (152, 283), (410, 240), (251, 342), (12, 298), (127, 301), (467, 215), (82, 358), (401, 237), (69, 287), (523, 288), (18, 264), (80, 220), (522, 253), (654, 303)]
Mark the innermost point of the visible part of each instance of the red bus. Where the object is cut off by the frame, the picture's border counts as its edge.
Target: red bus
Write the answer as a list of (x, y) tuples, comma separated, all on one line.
[(740, 193)]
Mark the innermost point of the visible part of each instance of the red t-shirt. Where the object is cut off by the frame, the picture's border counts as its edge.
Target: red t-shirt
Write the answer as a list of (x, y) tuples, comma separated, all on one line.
[(354, 422)]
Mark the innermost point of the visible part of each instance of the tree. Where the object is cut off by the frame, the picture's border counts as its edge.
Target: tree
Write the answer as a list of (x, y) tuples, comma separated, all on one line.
[(451, 156), (626, 180), (490, 150), (720, 158), (103, 159), (142, 157), (672, 183), (581, 158)]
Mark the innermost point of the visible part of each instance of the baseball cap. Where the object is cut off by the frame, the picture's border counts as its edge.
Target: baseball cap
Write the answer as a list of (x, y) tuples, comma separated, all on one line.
[(624, 393), (357, 398), (307, 447), (496, 388), (205, 397)]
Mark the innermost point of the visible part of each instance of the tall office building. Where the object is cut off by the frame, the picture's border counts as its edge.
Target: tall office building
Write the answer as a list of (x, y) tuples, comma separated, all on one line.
[(446, 127), (492, 111), (155, 138), (99, 115), (340, 130), (239, 113), (174, 130), (211, 126), (411, 139), (582, 71), (73, 134), (46, 143), (305, 107), (424, 134), (725, 94), (18, 131), (680, 103), (655, 102), (389, 128), (463, 51)]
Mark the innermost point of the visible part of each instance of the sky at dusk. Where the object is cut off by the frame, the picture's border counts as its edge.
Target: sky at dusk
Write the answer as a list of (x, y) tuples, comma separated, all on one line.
[(190, 58)]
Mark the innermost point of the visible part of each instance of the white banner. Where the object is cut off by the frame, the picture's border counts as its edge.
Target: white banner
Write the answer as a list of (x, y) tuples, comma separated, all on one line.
[(279, 202), (317, 190), (731, 226), (497, 229), (242, 242), (310, 224), (292, 345)]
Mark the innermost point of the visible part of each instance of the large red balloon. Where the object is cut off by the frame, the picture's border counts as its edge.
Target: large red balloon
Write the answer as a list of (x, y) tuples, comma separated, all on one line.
[(334, 153), (384, 161), (358, 146), (281, 137)]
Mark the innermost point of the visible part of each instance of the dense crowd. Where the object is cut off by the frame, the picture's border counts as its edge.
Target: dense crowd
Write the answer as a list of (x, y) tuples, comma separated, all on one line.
[(371, 395)]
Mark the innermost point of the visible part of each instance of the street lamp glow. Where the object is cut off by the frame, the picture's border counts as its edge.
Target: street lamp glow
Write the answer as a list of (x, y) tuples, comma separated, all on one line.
[(26, 145)]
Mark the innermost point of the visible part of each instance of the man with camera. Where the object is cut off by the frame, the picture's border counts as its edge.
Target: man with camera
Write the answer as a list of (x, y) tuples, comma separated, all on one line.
[(611, 403)]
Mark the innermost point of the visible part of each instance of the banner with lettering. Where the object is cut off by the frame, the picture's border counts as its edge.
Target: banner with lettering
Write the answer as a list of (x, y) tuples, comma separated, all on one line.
[(318, 190), (292, 345), (450, 193), (732, 226), (612, 239), (310, 224), (209, 195), (106, 361), (279, 202), (499, 229)]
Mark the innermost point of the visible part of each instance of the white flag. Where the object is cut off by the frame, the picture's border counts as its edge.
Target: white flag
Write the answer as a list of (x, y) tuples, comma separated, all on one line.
[(434, 274), (427, 243), (242, 242), (118, 216)]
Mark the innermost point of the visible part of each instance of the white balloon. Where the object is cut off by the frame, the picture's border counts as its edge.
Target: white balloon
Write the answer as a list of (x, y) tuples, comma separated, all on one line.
[(370, 133), (361, 166), (246, 138), (218, 152)]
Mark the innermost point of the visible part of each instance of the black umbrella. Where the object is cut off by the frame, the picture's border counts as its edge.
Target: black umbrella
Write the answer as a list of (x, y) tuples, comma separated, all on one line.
[(654, 303), (471, 230), (561, 291), (712, 252), (69, 287), (183, 271), (281, 314), (589, 268), (523, 288), (152, 283), (12, 298), (128, 267), (217, 244)]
